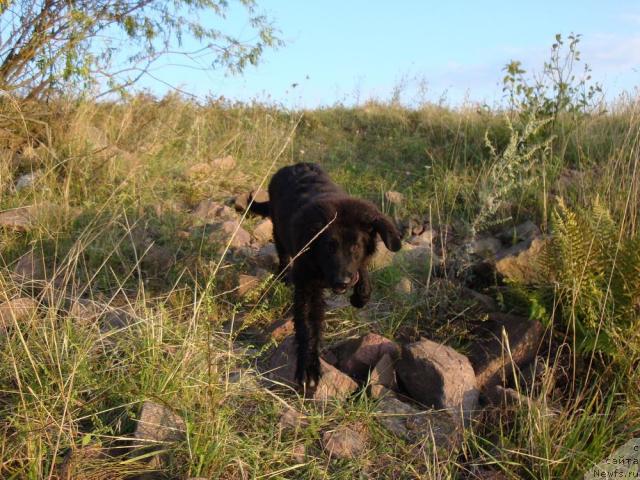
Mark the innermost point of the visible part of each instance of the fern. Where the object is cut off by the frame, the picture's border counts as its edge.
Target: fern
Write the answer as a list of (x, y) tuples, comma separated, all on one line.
[(594, 272)]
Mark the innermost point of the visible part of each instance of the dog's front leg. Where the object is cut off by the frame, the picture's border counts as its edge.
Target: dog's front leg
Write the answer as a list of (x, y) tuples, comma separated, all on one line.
[(303, 331), (362, 289), (316, 324)]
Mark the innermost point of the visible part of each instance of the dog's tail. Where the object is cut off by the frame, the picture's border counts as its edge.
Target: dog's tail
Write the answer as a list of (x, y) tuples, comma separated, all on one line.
[(259, 208)]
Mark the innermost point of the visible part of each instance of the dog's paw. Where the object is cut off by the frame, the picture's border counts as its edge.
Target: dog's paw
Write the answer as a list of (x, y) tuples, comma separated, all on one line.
[(309, 378), (359, 300)]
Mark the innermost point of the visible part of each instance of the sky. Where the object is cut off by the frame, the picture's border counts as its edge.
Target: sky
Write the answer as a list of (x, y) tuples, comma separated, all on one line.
[(452, 52)]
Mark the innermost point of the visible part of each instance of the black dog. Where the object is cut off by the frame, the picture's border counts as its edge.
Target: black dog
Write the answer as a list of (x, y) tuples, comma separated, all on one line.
[(330, 236)]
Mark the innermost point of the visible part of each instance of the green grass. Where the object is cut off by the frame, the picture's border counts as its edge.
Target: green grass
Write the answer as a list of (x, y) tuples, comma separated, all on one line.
[(115, 170)]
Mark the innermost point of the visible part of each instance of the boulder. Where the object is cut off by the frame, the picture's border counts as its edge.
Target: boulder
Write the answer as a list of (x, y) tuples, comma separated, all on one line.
[(223, 163), (424, 239), (412, 425), (333, 383), (157, 423), (521, 263), (359, 355), (263, 232), (383, 377), (404, 286), (503, 342), (27, 180), (345, 442), (436, 375)]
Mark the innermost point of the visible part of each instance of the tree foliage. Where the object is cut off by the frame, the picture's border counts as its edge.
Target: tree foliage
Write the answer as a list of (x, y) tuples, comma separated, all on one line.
[(107, 45)]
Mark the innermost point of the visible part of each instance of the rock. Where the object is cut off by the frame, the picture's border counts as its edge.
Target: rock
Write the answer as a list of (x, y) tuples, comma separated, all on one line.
[(19, 219), (383, 375), (485, 301), (91, 461), (523, 232), (396, 198), (263, 232), (241, 202), (509, 397), (27, 180), (333, 383), (158, 423), (345, 442), (438, 376), (520, 263), (233, 233), (413, 425), (246, 283), (424, 239), (108, 318), (382, 258), (16, 310), (30, 268), (281, 329), (209, 211), (404, 286), (415, 258), (359, 355), (224, 163), (299, 453), (267, 257), (492, 361), (485, 247), (199, 170), (293, 419)]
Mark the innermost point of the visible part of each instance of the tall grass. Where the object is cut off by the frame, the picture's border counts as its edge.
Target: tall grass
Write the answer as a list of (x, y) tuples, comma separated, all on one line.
[(111, 173)]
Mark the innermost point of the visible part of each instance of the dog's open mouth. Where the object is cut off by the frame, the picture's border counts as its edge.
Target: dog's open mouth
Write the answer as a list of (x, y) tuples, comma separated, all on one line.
[(341, 290)]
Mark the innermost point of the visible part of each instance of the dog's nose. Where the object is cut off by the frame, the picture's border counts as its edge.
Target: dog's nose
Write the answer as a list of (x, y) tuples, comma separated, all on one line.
[(341, 285)]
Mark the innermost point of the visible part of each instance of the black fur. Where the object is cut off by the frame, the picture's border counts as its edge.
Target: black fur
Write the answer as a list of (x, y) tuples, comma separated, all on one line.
[(330, 236)]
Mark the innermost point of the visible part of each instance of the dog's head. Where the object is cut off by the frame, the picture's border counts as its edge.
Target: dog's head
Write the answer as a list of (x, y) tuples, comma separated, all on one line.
[(340, 235)]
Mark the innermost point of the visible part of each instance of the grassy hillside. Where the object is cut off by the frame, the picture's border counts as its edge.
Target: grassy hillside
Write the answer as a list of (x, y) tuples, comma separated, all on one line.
[(113, 191)]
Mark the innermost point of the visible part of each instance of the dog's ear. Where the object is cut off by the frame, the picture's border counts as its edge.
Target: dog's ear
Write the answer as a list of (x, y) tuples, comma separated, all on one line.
[(388, 232)]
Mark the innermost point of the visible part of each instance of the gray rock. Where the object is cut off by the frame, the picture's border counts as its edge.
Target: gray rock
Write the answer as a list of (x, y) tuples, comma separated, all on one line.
[(407, 422), (27, 180), (438, 376), (333, 383), (382, 258), (486, 247), (359, 355), (345, 442), (493, 362), (523, 232), (521, 263), (267, 257), (383, 375), (263, 232), (424, 239), (158, 423)]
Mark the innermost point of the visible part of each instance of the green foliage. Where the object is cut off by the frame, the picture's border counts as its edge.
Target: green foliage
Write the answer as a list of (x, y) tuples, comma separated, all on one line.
[(558, 88), (594, 271), (60, 45)]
